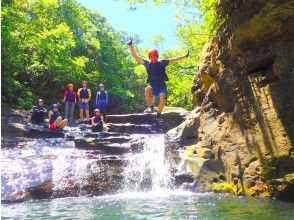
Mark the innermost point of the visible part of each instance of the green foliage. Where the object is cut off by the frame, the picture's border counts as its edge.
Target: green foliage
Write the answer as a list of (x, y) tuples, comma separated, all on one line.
[(47, 44), (197, 22)]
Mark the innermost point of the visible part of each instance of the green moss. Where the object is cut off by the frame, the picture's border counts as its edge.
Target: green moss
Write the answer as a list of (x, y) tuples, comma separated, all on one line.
[(289, 178), (225, 187)]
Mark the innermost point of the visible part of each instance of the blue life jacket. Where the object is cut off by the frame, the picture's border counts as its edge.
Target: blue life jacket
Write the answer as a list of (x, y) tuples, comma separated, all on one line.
[(54, 116), (70, 97), (101, 99), (101, 95), (84, 94)]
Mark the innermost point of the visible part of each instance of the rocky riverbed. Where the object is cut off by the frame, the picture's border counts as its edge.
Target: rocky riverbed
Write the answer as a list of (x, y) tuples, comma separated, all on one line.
[(40, 163)]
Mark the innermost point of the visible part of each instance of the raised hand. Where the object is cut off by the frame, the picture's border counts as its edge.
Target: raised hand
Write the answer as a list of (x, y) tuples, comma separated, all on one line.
[(130, 42)]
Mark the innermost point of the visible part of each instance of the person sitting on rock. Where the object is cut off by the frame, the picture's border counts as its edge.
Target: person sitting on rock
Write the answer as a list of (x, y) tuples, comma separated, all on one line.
[(97, 121), (38, 113), (70, 98), (84, 95), (55, 119), (156, 78), (102, 100)]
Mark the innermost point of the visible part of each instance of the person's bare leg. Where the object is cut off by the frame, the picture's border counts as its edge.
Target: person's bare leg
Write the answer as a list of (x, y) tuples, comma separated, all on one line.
[(87, 115), (82, 114), (162, 100), (63, 123), (58, 121), (149, 96)]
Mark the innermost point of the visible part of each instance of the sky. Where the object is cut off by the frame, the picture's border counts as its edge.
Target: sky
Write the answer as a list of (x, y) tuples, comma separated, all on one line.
[(147, 21)]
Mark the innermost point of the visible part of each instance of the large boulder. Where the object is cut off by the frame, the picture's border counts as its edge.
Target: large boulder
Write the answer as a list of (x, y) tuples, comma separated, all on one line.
[(245, 127)]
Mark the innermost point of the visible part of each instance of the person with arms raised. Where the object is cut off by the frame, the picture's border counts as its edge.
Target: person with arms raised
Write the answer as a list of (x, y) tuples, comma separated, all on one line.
[(156, 77)]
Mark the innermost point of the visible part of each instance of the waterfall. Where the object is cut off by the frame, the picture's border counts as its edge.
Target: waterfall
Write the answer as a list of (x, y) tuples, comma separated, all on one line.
[(148, 170)]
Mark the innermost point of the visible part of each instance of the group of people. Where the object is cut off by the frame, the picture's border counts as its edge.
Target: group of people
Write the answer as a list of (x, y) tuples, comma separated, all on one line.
[(156, 79), (71, 98)]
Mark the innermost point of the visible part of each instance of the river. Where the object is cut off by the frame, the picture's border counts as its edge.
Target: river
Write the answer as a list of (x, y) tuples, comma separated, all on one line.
[(146, 191)]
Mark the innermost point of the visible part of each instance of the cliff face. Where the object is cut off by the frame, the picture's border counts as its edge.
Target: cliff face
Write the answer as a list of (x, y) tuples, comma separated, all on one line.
[(244, 123)]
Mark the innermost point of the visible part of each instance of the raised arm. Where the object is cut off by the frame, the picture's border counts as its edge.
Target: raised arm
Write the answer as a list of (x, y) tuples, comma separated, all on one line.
[(175, 59), (134, 53)]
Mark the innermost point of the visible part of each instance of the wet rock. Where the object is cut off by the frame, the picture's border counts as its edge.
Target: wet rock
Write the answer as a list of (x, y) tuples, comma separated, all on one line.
[(130, 128), (189, 186), (30, 130), (185, 134), (183, 177)]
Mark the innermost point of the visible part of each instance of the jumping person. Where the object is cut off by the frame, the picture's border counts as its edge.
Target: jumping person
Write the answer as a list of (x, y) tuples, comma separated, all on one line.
[(55, 119), (102, 100), (38, 113), (97, 121), (156, 77), (84, 96), (70, 98)]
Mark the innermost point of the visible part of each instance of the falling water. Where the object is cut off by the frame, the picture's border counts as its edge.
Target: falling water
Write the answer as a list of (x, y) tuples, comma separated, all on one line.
[(148, 170)]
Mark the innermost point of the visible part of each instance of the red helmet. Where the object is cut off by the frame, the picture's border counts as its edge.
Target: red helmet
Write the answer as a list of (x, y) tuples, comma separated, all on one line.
[(70, 85), (153, 53)]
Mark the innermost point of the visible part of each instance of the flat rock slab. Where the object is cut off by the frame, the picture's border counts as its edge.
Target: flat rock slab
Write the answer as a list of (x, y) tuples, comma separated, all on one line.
[(129, 128), (29, 130)]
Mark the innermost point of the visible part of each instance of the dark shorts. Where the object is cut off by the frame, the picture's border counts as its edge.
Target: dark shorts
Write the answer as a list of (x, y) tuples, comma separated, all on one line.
[(84, 105), (157, 90)]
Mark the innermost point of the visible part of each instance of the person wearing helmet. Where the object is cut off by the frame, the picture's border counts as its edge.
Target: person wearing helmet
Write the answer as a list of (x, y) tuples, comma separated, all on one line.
[(55, 119), (97, 121), (38, 113), (102, 99), (156, 77), (84, 96), (70, 98)]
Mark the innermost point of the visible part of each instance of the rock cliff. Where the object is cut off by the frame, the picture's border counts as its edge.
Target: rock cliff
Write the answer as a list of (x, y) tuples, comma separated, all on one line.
[(243, 125)]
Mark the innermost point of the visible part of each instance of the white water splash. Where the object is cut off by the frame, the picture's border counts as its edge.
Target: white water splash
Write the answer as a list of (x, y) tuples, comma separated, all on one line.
[(148, 170)]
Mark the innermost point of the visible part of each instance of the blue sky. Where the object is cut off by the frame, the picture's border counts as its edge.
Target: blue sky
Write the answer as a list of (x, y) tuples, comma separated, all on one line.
[(146, 21)]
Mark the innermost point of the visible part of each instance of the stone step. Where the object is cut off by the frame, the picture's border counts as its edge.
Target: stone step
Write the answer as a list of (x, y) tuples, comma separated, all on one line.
[(129, 128), (172, 117)]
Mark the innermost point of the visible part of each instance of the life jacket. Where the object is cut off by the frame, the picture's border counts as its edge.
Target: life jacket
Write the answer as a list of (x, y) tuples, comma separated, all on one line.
[(97, 119), (156, 73), (101, 95), (38, 114), (54, 116), (84, 94), (70, 96)]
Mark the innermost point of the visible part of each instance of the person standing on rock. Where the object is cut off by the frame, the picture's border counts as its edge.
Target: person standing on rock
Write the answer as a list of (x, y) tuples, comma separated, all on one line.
[(102, 99), (38, 113), (70, 99), (84, 96), (156, 78)]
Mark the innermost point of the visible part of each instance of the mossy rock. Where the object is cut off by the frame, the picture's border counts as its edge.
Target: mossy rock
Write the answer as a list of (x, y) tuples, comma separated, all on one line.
[(228, 187)]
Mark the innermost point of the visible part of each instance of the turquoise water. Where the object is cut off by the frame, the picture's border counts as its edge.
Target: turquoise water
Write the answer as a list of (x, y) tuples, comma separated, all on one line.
[(154, 205)]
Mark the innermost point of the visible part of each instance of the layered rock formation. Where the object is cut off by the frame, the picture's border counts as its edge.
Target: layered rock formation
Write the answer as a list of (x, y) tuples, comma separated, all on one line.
[(40, 163), (244, 123)]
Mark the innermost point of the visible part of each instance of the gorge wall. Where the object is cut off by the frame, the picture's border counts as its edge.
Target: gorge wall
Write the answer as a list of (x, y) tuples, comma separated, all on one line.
[(242, 130)]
